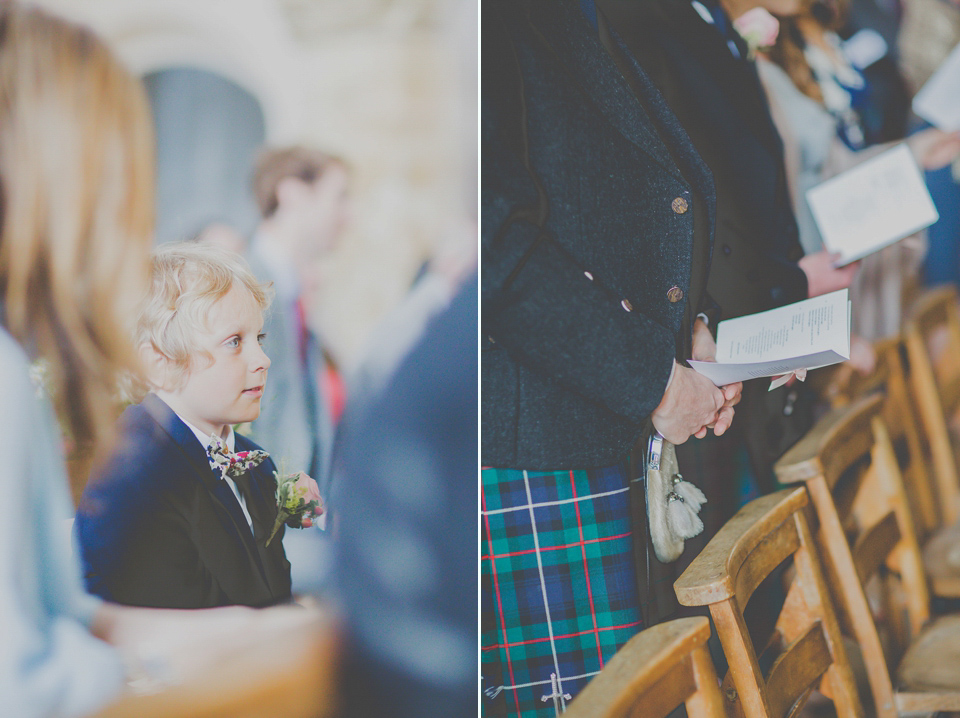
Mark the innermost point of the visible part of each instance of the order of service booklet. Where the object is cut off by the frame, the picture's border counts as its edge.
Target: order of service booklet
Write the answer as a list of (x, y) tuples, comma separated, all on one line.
[(872, 205), (805, 335), (938, 101)]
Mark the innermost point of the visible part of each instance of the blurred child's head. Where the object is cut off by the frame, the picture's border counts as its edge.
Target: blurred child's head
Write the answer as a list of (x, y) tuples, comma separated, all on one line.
[(76, 209), (199, 334)]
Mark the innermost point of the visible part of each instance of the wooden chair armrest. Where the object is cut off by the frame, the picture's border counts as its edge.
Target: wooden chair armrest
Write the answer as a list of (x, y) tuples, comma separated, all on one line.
[(637, 666), (711, 577), (831, 438)]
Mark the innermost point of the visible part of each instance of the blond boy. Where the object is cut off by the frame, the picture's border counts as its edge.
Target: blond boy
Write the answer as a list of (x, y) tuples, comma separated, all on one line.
[(179, 516)]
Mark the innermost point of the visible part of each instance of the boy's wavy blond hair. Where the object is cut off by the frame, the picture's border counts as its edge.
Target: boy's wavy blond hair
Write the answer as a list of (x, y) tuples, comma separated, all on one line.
[(187, 279)]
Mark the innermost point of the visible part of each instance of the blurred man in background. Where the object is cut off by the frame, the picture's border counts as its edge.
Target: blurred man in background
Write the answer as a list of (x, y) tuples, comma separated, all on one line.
[(301, 194)]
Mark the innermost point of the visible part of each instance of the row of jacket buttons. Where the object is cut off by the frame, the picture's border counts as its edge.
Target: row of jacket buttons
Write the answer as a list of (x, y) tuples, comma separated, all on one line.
[(674, 294)]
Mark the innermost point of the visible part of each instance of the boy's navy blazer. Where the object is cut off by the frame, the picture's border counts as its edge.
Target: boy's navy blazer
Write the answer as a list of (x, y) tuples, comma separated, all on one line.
[(157, 527)]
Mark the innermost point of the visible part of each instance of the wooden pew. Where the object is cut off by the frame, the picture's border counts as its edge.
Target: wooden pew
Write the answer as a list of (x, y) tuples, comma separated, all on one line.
[(775, 676), (291, 675), (867, 539), (663, 667)]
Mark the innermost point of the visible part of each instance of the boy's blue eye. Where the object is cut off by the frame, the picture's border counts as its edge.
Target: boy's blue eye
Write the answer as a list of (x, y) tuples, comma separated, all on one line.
[(261, 338), (233, 342)]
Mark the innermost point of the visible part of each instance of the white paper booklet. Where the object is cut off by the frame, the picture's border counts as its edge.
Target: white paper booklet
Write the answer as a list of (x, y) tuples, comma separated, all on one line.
[(872, 205), (938, 101), (804, 335)]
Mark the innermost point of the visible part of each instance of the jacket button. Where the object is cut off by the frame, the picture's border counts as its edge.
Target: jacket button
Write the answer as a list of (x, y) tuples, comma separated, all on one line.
[(680, 205), (674, 294), (726, 250), (626, 305)]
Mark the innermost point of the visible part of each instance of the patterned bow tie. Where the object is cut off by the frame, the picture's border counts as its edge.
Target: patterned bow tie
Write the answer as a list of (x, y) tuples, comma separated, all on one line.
[(230, 465)]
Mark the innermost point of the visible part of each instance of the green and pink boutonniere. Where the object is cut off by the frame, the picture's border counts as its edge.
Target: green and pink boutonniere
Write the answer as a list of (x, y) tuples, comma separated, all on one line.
[(298, 502), (759, 29)]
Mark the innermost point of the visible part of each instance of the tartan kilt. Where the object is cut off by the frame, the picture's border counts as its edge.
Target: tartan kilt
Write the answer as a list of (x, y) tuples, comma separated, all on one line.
[(559, 588)]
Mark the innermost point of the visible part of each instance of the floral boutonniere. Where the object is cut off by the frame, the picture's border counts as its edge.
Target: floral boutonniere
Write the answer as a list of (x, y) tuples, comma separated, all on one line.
[(759, 29), (298, 502), (40, 377)]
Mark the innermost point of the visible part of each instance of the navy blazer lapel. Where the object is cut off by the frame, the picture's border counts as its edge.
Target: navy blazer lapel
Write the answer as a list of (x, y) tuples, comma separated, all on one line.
[(578, 48), (738, 76), (196, 455), (259, 504)]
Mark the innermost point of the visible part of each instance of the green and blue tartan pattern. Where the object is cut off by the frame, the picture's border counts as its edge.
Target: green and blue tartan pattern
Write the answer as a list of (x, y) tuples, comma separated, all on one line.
[(558, 584)]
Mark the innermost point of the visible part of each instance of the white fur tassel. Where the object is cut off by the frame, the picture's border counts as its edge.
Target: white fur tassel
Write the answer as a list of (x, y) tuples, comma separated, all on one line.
[(682, 518), (691, 495)]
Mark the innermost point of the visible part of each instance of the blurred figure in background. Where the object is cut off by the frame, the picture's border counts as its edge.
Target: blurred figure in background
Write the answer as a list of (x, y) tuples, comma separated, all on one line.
[(223, 235), (930, 30), (818, 98), (435, 285), (406, 493), (302, 196)]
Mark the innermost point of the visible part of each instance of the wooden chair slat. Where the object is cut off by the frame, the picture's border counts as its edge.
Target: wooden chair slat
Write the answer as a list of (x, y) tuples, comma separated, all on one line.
[(874, 546), (798, 669)]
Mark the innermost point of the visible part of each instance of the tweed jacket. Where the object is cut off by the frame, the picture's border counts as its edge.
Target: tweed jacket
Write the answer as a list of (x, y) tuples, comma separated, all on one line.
[(595, 213)]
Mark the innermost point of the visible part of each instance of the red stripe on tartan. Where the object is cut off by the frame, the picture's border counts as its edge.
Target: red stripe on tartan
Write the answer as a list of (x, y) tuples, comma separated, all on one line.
[(496, 590), (556, 548), (569, 635), (586, 571)]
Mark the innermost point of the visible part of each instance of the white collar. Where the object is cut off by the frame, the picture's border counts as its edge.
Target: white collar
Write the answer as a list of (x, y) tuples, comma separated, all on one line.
[(205, 439)]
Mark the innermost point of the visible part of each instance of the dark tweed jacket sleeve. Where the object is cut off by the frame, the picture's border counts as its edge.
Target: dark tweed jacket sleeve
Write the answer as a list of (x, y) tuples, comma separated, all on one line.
[(587, 231)]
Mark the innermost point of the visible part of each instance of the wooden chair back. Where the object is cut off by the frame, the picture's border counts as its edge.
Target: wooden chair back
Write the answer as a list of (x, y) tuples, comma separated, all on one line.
[(659, 669), (771, 675), (932, 335), (865, 535), (891, 378)]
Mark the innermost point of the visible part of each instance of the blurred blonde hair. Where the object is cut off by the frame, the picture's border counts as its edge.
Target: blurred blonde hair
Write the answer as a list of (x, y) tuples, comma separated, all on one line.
[(187, 280), (76, 206), (277, 163)]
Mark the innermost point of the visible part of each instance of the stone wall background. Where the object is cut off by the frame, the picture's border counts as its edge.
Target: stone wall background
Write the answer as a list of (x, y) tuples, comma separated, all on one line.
[(390, 85)]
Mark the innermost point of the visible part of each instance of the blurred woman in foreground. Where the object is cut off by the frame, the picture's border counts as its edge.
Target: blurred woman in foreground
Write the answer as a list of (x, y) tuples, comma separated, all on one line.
[(76, 218)]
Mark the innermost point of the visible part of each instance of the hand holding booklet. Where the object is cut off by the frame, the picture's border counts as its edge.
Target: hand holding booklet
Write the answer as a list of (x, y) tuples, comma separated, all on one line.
[(805, 335), (873, 205)]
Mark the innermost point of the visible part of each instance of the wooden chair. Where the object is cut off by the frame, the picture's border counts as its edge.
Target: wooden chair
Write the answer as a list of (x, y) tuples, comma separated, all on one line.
[(891, 378), (867, 540), (805, 650), (656, 671), (932, 334), (293, 675), (913, 447)]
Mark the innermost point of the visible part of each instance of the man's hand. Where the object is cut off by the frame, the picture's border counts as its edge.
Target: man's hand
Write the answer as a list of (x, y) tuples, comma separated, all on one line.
[(822, 276), (705, 349), (689, 406)]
